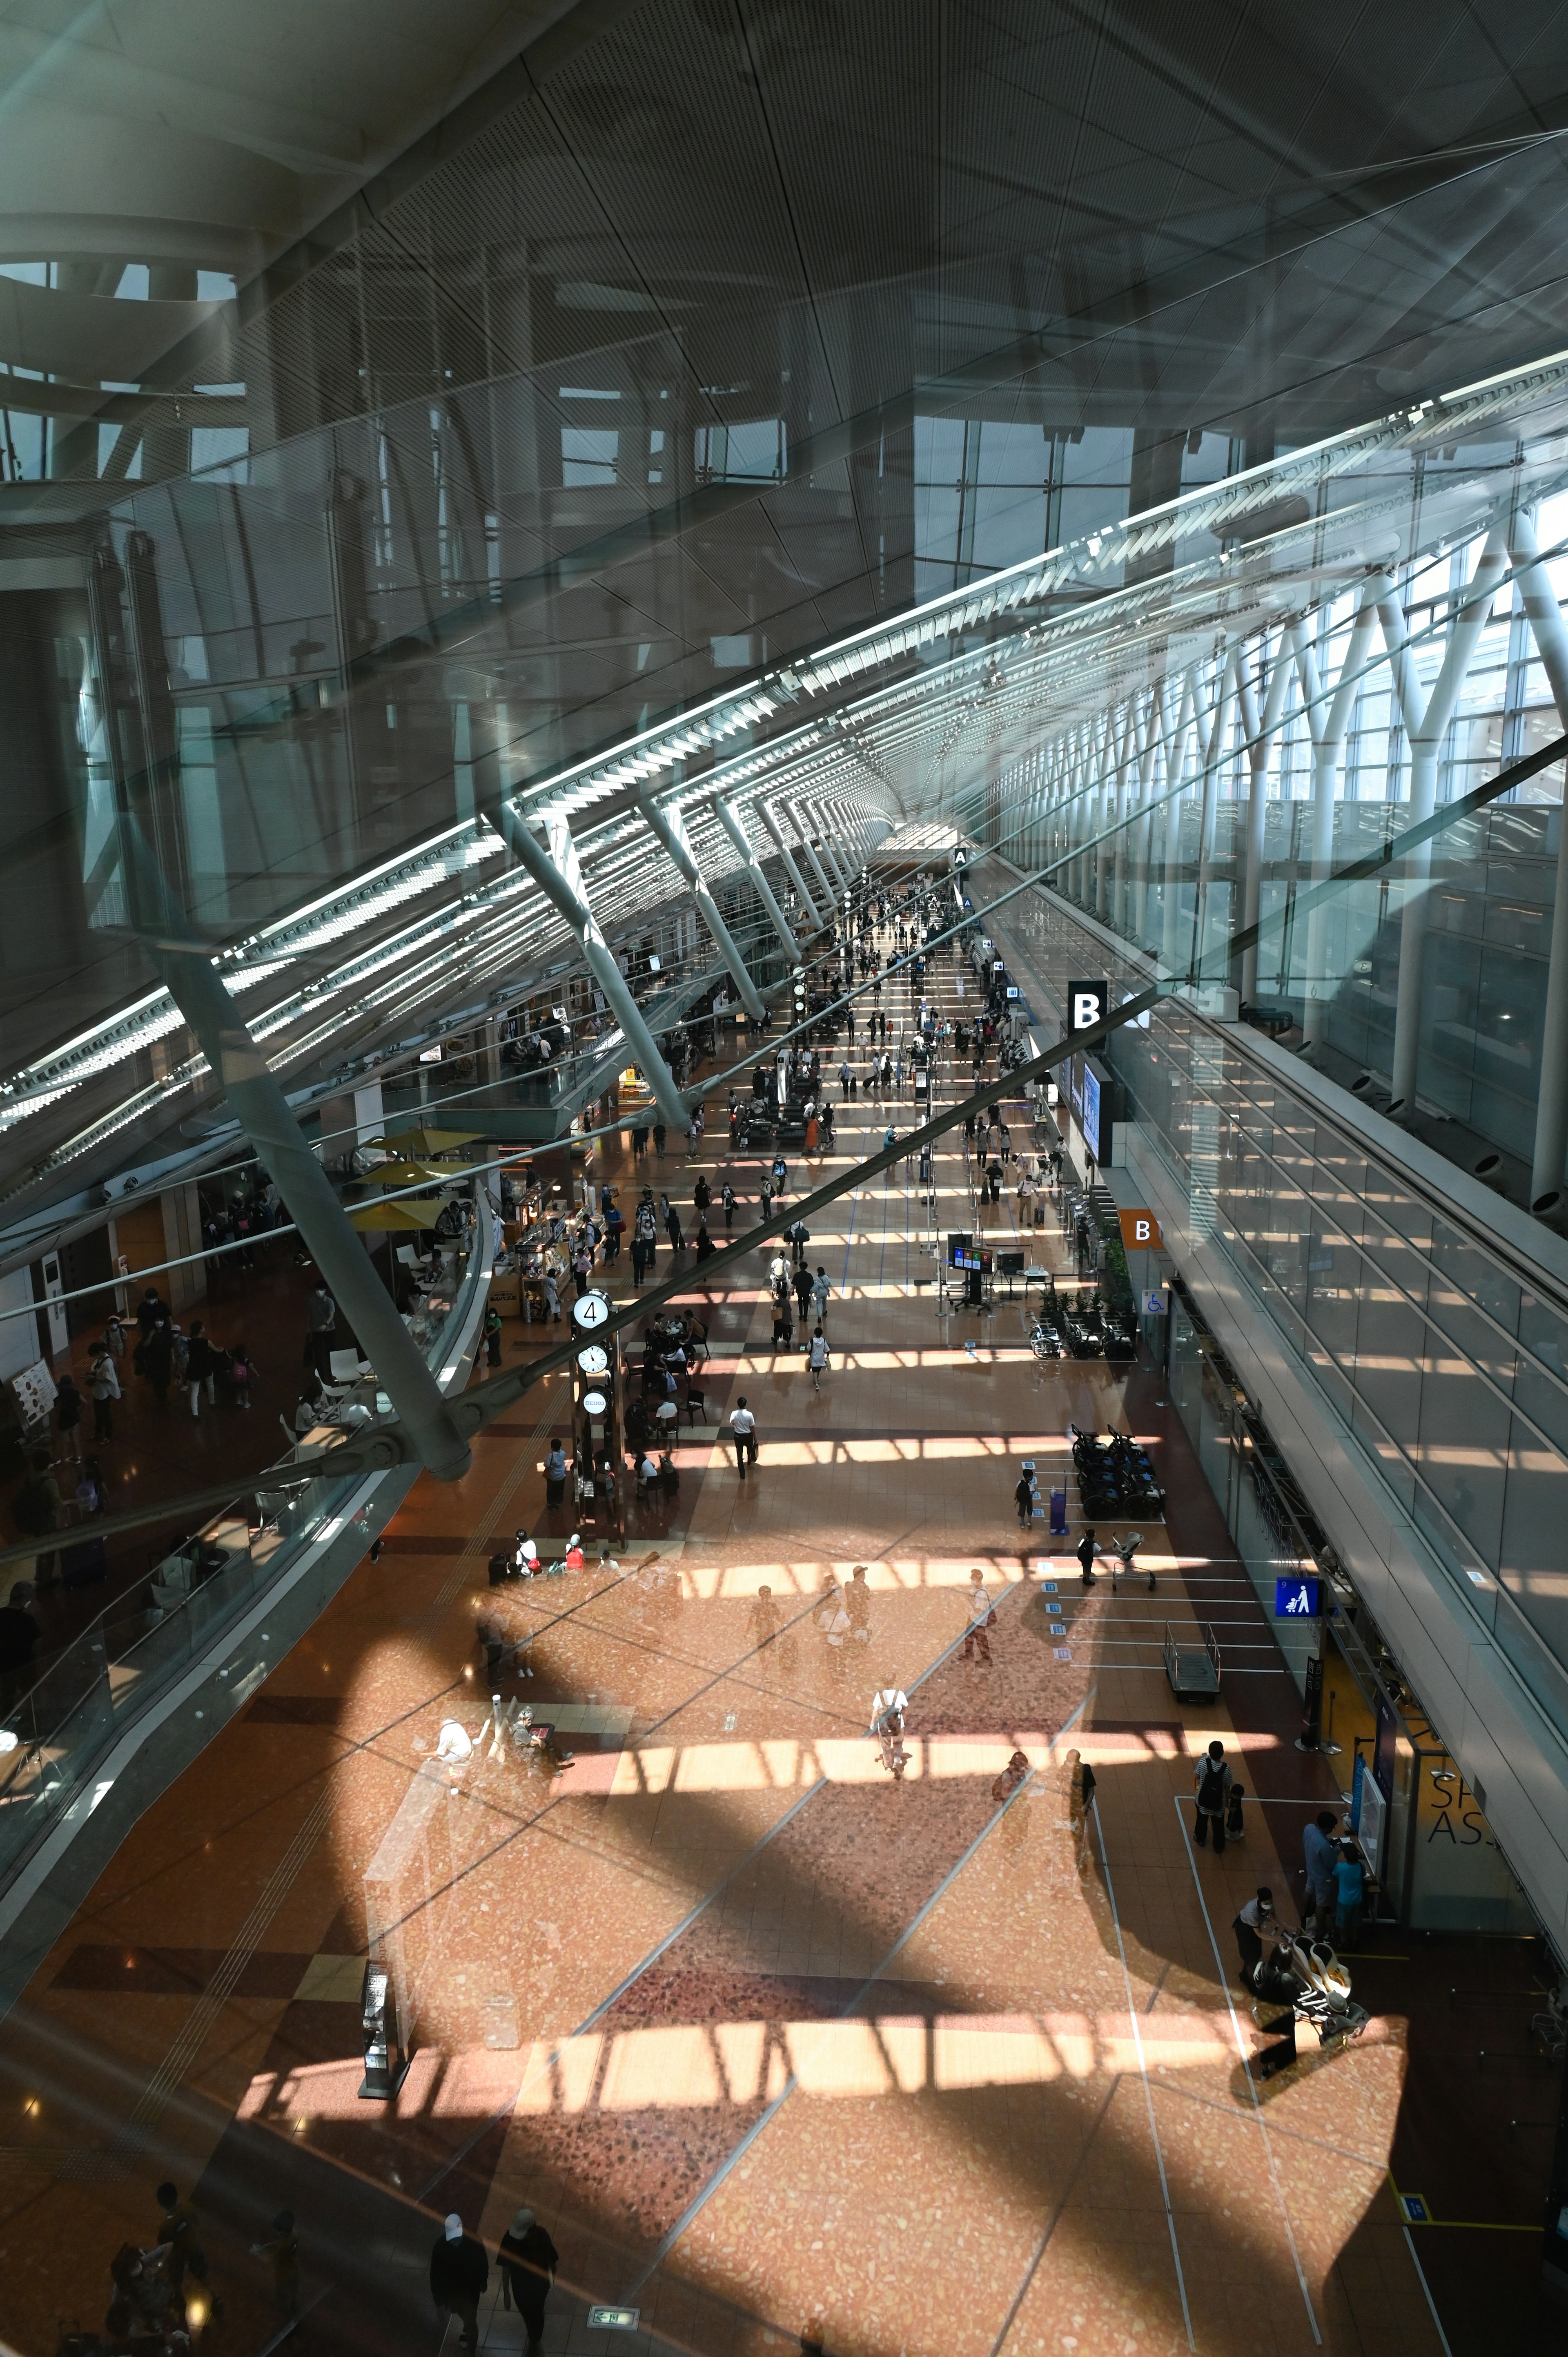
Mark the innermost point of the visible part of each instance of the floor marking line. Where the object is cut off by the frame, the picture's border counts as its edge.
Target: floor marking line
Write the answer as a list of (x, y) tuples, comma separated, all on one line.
[(1246, 2065), (846, 2013), (1426, 2288), (1143, 2072)]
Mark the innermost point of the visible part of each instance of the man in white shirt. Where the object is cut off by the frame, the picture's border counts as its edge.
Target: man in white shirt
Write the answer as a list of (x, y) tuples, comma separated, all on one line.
[(977, 1644), (890, 1706), (742, 1426), (820, 1291)]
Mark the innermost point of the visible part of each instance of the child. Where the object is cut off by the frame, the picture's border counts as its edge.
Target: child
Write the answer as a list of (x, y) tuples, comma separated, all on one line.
[(1234, 1828), (1350, 1884)]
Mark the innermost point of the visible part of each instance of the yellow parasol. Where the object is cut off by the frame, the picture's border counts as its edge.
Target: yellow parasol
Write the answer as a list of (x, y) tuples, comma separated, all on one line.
[(417, 1141), (409, 1213), (413, 1174)]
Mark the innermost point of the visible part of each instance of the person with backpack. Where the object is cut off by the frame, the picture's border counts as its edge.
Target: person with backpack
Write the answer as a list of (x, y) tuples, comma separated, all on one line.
[(1211, 1784), (242, 1367)]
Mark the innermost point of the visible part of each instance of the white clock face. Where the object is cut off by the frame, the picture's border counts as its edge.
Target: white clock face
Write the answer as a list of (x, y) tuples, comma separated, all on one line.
[(591, 1312), (592, 1361), (594, 1404)]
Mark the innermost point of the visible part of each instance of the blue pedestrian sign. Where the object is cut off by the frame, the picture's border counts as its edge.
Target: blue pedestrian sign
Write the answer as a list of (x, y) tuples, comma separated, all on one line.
[(1296, 1600)]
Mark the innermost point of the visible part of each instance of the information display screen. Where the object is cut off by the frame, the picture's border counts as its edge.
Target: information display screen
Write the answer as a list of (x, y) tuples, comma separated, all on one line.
[(1090, 1112)]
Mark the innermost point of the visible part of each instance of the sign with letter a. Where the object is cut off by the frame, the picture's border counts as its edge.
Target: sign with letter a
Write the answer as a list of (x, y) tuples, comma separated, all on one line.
[(1139, 1231), (1087, 1003)]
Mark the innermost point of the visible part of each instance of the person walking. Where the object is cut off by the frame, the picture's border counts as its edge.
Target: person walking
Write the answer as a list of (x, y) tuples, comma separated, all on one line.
[(803, 1291), (158, 1359), (551, 1297), (1253, 1921), (1350, 1889), (1087, 1551), (727, 1197), (659, 1136), (282, 2254), (820, 1290), (555, 1474), (460, 2271), (200, 1367), (1320, 1855), (743, 1427), (67, 1416), (103, 1386), (1211, 1783), (818, 1354), (527, 2260), (321, 1318), (981, 1618), (1023, 1498)]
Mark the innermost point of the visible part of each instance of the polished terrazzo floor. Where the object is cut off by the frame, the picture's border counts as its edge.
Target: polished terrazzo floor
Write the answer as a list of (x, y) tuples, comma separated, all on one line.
[(779, 2048)]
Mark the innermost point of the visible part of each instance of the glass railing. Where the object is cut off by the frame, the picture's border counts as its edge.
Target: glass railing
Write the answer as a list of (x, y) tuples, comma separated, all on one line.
[(1441, 1354), (58, 1730)]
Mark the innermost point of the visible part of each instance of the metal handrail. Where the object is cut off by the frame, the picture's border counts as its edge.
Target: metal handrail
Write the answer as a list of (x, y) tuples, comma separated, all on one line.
[(145, 1690)]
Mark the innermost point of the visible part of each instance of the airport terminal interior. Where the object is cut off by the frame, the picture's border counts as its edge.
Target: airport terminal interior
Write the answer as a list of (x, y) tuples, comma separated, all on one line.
[(783, 1179)]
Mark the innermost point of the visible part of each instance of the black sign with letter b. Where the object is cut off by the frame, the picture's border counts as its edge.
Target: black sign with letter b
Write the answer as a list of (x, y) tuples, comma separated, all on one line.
[(1087, 1003)]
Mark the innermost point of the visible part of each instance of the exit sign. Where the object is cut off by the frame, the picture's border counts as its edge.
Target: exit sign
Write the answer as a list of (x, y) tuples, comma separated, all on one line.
[(612, 2319)]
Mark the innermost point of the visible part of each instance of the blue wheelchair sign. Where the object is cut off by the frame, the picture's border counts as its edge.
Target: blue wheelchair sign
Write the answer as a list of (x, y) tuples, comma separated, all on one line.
[(1296, 1600)]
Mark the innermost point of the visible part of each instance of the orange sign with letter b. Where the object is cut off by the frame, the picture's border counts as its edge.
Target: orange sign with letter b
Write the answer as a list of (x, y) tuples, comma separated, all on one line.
[(1139, 1231)]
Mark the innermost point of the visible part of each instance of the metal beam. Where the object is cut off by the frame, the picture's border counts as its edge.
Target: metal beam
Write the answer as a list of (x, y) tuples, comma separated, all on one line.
[(1328, 721), (669, 829), (559, 879), (818, 811), (830, 898), (760, 883), (241, 1069), (1424, 729), (1544, 617), (799, 881)]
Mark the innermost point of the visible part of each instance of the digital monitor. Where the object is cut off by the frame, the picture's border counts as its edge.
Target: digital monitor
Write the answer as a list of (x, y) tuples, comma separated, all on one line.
[(1089, 1117), (1012, 990)]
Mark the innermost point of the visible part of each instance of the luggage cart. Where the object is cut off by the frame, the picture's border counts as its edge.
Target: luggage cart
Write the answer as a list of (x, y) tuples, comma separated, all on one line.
[(1192, 1660)]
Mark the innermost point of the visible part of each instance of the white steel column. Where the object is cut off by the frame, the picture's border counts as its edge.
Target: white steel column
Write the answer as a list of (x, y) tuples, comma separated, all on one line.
[(1545, 619), (760, 883), (815, 811), (1425, 732), (1175, 802), (670, 830), (1213, 747), (793, 873), (1261, 731), (559, 879), (802, 829), (1327, 719)]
